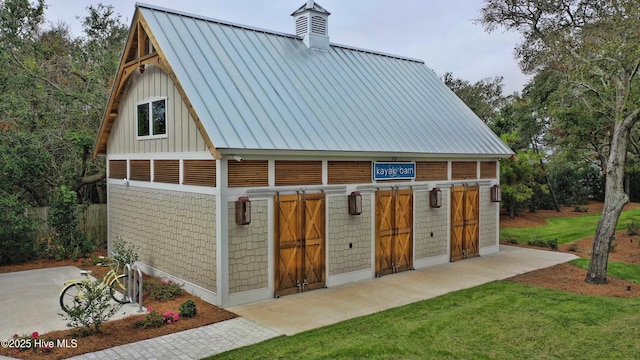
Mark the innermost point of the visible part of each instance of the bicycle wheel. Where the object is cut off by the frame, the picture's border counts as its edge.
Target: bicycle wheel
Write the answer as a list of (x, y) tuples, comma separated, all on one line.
[(120, 289), (70, 297)]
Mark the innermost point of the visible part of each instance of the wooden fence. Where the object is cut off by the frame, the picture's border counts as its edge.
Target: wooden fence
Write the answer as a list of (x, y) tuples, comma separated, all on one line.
[(93, 221)]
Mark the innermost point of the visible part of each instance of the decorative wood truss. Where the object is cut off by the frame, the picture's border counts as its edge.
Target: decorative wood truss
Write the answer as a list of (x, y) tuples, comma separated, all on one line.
[(141, 50)]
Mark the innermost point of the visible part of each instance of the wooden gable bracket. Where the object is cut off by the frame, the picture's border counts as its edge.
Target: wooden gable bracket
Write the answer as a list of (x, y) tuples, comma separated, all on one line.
[(141, 49)]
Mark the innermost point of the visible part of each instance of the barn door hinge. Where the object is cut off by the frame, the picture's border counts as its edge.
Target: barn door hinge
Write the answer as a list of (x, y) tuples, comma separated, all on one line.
[(299, 286), (304, 283)]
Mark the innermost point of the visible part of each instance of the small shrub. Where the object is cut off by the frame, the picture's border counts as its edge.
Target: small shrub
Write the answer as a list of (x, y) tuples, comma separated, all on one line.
[(537, 243), (613, 246), (580, 209), (91, 310), (154, 319), (633, 228), (552, 244), (512, 240), (573, 247), (188, 309), (124, 252), (164, 291)]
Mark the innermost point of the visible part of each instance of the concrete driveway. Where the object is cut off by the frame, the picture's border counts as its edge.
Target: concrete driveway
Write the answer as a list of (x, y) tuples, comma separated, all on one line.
[(29, 301)]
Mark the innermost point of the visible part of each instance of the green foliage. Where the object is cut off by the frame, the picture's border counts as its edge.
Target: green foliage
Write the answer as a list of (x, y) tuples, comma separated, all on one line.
[(54, 87), (16, 230), (591, 49), (188, 309), (164, 290), (633, 228), (124, 252), (154, 319), (570, 181), (25, 164), (498, 320), (484, 97), (63, 218), (517, 182), (551, 243), (92, 309)]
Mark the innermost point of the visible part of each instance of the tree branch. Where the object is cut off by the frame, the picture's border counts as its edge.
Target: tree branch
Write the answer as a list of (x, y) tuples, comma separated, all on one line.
[(51, 83)]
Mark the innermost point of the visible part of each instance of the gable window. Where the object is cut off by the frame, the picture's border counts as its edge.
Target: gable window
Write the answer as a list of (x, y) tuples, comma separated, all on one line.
[(152, 118)]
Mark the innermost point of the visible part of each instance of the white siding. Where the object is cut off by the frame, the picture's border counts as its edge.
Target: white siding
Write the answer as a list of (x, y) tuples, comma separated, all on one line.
[(182, 133)]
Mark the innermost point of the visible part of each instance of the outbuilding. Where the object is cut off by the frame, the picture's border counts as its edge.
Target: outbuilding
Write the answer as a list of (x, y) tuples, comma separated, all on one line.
[(248, 164)]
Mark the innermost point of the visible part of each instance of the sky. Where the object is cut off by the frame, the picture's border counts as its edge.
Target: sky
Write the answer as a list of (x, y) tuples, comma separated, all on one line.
[(442, 33)]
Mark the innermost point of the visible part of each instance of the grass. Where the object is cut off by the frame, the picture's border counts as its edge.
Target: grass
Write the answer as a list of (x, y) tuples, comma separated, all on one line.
[(566, 230), (499, 320), (622, 271)]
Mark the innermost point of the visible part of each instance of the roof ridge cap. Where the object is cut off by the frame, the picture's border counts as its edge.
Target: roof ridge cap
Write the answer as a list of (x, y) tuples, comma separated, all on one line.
[(272, 32)]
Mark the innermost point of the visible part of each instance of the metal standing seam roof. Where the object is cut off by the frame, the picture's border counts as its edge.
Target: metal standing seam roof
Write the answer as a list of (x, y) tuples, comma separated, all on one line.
[(256, 89)]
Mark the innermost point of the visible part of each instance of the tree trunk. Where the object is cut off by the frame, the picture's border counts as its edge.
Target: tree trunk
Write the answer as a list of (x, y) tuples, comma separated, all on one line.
[(614, 201), (88, 179)]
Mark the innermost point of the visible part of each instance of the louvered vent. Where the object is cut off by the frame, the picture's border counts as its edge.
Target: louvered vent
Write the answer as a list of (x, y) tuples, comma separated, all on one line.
[(318, 25), (148, 47), (301, 26)]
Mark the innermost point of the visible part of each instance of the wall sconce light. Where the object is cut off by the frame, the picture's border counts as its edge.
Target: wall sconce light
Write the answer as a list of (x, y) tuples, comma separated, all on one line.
[(125, 182), (355, 203), (243, 210), (496, 193), (435, 198)]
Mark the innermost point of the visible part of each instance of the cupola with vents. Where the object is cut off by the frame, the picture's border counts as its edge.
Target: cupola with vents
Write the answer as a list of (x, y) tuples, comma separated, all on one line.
[(312, 24)]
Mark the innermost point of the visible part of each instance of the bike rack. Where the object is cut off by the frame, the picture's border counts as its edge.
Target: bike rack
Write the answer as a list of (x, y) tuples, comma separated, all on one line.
[(134, 274)]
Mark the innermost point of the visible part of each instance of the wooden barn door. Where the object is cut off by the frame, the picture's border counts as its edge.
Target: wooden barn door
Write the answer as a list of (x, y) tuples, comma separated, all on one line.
[(465, 222), (394, 231), (300, 243)]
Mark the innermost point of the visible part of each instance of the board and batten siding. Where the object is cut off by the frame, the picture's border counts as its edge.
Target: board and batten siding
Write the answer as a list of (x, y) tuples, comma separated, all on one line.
[(182, 133)]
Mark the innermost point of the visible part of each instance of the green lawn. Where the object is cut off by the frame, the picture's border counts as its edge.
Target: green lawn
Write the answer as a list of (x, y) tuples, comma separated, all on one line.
[(499, 320), (566, 230)]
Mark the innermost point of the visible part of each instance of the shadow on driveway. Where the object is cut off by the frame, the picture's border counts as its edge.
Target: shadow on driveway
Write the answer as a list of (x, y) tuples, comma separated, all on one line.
[(29, 301)]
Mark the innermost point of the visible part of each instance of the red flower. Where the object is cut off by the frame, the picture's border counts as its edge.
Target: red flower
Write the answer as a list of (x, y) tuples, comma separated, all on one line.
[(34, 335)]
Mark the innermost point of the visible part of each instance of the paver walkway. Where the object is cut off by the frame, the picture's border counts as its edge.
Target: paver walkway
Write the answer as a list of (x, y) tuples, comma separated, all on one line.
[(190, 344)]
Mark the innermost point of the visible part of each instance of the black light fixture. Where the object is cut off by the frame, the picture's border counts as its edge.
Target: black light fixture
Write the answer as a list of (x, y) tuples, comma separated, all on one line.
[(355, 203), (496, 193), (435, 198), (243, 210)]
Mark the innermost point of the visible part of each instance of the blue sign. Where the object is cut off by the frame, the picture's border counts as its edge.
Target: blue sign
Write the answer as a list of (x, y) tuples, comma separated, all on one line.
[(393, 170)]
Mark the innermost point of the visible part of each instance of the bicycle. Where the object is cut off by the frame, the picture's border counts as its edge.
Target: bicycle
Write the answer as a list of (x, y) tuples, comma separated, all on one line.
[(118, 286)]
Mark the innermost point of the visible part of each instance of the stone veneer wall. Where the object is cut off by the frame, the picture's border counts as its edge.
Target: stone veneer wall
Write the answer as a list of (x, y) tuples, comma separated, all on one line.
[(488, 218), (248, 249), (344, 229), (427, 221), (173, 231)]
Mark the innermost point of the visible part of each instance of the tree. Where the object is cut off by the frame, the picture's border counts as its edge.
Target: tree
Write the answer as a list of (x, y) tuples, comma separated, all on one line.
[(484, 97), (54, 87), (594, 43)]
